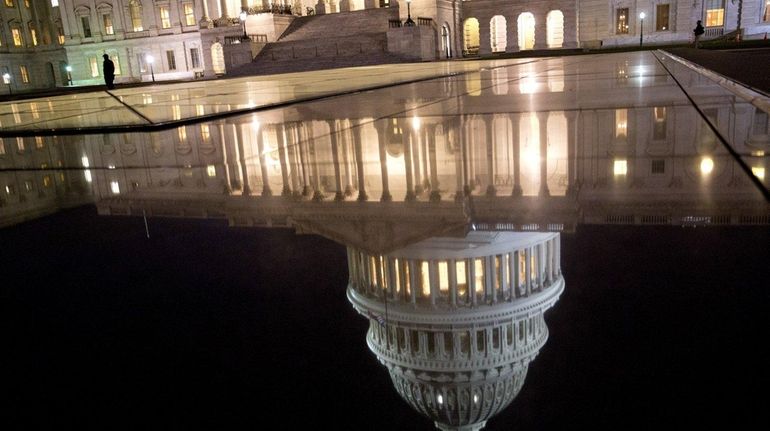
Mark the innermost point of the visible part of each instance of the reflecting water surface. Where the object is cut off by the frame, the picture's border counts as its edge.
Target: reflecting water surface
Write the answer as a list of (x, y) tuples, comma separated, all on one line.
[(454, 209)]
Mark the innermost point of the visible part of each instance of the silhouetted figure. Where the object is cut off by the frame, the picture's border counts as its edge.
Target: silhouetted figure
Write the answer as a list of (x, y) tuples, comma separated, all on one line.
[(109, 72), (698, 31)]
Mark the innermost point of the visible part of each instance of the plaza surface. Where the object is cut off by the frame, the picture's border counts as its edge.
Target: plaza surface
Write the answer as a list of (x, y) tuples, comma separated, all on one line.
[(216, 322)]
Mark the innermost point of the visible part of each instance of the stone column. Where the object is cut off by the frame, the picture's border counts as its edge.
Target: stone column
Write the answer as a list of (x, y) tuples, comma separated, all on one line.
[(452, 272), (223, 8), (302, 148), (435, 193), (263, 165), (490, 147), (515, 141), (344, 5), (320, 8), (528, 271), (315, 169), (410, 196), (345, 135), (542, 119), (572, 118), (511, 34), (359, 155), (246, 190), (381, 127), (416, 147), (280, 132), (293, 158), (485, 40), (225, 164), (338, 195)]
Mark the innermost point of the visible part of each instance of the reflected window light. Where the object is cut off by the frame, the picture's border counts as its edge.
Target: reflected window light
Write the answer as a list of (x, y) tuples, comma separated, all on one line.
[(620, 167), (182, 134), (20, 144), (255, 123), (115, 187), (147, 99), (87, 175), (476, 398), (84, 161), (416, 123), (35, 111), (205, 133), (706, 165), (621, 123), (39, 142), (440, 399), (758, 172), (199, 110), (211, 170), (111, 166), (47, 181), (176, 112)]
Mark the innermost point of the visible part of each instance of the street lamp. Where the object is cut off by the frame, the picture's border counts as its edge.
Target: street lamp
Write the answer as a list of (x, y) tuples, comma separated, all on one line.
[(641, 29), (7, 81), (68, 68), (409, 22), (243, 16), (150, 59)]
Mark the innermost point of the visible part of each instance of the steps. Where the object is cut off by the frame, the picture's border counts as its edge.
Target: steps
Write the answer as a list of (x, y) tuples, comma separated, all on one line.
[(328, 41)]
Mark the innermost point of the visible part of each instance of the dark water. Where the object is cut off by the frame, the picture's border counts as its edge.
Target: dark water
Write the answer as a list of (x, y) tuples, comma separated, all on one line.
[(206, 326)]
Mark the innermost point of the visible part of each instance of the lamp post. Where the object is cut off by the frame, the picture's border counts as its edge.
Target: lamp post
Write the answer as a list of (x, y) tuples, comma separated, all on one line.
[(243, 16), (150, 59), (7, 81), (641, 28), (68, 68), (409, 22)]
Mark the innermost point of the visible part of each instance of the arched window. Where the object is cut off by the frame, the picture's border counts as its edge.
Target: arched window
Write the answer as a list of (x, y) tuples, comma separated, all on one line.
[(471, 36), (135, 10), (497, 27), (526, 23), (446, 41), (555, 29)]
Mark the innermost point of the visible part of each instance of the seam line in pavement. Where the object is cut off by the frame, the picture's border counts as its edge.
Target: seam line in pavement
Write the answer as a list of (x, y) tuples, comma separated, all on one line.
[(765, 192), (130, 108)]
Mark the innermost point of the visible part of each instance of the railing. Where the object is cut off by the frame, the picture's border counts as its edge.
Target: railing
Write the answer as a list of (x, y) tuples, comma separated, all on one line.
[(394, 23), (277, 9), (428, 22), (259, 38), (714, 32), (234, 40)]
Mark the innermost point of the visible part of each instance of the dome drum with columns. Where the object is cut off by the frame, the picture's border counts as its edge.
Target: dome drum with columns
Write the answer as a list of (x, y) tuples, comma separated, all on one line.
[(457, 321)]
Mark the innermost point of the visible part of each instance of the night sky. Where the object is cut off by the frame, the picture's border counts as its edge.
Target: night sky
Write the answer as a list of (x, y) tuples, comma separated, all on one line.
[(207, 326)]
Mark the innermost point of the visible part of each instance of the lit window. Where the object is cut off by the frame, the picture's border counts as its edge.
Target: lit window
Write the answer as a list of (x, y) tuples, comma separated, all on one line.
[(60, 35), (39, 143), (425, 278), (26, 3), (135, 8), (16, 33), (54, 3), (165, 18), (47, 181), (94, 63), (33, 34), (621, 21), (715, 13), (109, 29), (20, 144), (2, 147), (182, 131), (115, 187), (621, 123), (620, 167), (9, 3), (661, 17), (189, 14), (758, 172), (211, 170), (205, 134), (24, 74)]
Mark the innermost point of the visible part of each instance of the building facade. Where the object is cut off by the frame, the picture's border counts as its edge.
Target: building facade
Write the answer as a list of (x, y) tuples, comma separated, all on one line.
[(186, 39), (31, 40)]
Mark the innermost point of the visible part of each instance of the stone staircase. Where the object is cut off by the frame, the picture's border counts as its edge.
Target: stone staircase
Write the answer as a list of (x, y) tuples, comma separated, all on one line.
[(327, 41)]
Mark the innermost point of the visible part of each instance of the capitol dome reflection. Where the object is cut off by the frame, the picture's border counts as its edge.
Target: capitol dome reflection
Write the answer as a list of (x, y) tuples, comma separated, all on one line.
[(456, 321)]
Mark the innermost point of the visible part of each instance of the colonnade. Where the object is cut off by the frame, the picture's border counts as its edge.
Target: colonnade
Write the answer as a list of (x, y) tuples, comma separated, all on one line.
[(466, 282), (404, 159)]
